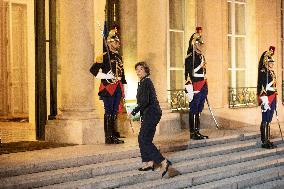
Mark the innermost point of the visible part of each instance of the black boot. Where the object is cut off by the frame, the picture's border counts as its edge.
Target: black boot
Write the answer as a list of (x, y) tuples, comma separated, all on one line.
[(271, 144), (262, 132), (264, 135), (107, 128), (192, 129), (197, 127), (115, 129), (114, 138)]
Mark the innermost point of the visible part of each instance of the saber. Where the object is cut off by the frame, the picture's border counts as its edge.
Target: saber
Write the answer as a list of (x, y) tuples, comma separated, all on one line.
[(278, 124), (128, 112), (210, 110), (131, 126)]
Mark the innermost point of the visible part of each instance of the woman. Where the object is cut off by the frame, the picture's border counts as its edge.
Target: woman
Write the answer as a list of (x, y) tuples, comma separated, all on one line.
[(151, 113)]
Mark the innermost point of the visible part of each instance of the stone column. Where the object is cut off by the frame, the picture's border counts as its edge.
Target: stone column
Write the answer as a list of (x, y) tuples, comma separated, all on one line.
[(152, 29), (77, 123)]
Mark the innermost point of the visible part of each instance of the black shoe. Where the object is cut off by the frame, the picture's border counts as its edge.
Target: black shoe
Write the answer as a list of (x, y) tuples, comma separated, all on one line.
[(117, 141), (117, 135), (108, 140), (201, 135), (266, 145), (271, 144), (195, 136), (166, 168), (146, 168)]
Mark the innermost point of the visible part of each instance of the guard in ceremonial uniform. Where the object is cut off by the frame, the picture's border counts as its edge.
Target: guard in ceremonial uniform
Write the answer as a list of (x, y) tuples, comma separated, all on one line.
[(195, 83), (267, 94), (113, 85)]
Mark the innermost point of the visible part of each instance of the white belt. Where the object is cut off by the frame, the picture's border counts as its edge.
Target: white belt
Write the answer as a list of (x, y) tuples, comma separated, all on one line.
[(198, 75)]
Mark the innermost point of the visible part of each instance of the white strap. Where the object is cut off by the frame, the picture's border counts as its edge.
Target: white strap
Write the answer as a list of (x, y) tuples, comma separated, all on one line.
[(195, 74), (269, 88), (197, 68)]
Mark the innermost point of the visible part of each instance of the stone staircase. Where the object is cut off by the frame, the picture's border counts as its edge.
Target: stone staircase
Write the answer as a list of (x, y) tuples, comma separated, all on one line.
[(230, 162)]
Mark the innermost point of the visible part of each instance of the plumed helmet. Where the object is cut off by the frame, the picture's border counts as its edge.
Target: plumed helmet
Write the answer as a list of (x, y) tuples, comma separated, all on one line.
[(197, 38), (113, 36)]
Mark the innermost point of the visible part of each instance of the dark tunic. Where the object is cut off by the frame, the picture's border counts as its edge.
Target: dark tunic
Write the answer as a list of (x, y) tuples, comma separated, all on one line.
[(264, 77), (146, 99), (190, 66), (107, 87), (266, 86)]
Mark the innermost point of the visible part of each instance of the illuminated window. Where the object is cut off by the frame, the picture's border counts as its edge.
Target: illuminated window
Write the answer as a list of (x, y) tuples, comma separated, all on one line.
[(236, 43), (176, 44)]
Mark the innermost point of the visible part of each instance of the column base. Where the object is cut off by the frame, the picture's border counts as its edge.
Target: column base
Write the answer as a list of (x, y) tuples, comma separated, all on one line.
[(169, 123), (85, 131)]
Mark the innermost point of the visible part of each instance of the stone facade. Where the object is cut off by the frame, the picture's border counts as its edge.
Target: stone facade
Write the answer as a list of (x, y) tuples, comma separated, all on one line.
[(144, 36)]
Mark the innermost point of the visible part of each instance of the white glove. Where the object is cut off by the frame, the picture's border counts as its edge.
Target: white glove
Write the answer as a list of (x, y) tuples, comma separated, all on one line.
[(189, 89), (101, 75), (125, 88), (264, 105)]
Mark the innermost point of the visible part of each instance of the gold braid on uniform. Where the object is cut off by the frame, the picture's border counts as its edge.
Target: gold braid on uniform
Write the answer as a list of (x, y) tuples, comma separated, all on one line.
[(99, 58), (196, 38), (267, 57), (188, 81), (272, 73)]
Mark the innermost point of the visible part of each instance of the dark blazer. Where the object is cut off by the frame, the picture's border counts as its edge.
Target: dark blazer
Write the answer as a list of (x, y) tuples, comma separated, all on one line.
[(116, 66), (147, 99), (189, 69)]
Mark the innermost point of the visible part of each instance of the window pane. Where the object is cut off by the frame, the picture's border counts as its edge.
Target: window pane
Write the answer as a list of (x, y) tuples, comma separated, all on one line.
[(230, 51), (241, 78), (240, 52), (176, 49), (176, 14), (237, 78), (240, 19), (230, 79), (229, 18), (177, 79)]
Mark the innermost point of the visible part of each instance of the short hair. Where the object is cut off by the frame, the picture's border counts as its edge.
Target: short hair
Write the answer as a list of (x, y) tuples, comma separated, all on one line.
[(145, 66)]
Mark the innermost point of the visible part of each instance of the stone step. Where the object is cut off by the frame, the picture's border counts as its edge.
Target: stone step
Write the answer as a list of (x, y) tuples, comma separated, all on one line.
[(215, 175), (189, 177), (274, 184), (232, 152), (245, 180), (41, 166), (227, 159), (194, 155)]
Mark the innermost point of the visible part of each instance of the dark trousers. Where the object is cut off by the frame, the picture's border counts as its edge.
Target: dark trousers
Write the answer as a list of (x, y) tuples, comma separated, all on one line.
[(268, 115), (197, 104), (148, 150), (111, 103)]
